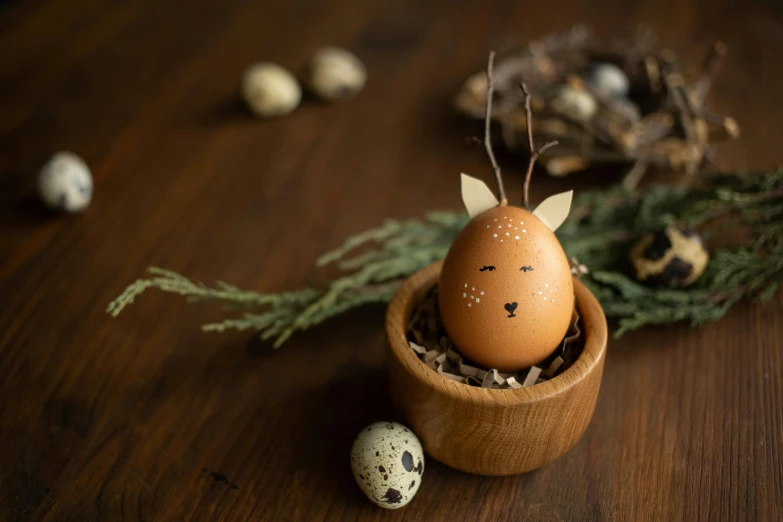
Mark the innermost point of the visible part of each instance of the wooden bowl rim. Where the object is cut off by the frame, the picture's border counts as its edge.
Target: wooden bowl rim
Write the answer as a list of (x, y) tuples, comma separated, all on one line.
[(594, 328)]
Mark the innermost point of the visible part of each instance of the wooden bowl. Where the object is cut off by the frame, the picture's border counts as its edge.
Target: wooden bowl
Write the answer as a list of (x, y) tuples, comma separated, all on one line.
[(485, 431)]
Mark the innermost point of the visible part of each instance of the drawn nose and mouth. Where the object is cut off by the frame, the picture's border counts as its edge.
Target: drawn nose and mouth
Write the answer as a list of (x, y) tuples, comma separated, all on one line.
[(510, 307)]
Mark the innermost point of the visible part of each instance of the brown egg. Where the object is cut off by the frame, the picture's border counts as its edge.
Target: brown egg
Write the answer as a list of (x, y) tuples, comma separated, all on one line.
[(505, 292)]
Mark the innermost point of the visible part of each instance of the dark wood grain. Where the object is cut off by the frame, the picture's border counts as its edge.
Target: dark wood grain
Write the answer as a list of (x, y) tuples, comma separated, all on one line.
[(147, 418)]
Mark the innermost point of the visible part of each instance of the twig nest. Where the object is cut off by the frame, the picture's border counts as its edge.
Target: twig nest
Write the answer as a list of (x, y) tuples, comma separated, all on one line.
[(576, 103), (387, 462), (65, 183), (270, 90), (673, 257), (335, 74), (609, 80)]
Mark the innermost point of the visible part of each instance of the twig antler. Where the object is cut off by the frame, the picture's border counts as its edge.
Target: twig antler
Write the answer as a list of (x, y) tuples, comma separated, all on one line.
[(487, 120), (534, 154)]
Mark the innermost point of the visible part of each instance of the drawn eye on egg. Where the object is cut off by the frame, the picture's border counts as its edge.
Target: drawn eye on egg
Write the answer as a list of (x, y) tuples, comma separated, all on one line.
[(486, 268)]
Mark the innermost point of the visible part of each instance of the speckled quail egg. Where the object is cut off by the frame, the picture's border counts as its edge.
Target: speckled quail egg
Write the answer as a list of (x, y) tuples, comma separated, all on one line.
[(65, 183), (673, 257), (609, 80), (270, 90), (335, 74), (575, 102), (387, 462)]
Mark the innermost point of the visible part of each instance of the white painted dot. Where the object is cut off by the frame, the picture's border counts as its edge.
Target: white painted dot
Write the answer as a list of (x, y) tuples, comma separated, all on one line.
[(515, 228), (473, 288), (464, 294), (525, 231), (539, 293), (501, 240), (546, 285), (469, 305), (521, 222), (553, 300), (509, 226), (472, 297), (496, 220), (545, 299), (507, 233), (487, 226), (500, 226), (482, 292), (466, 285), (516, 237), (478, 300)]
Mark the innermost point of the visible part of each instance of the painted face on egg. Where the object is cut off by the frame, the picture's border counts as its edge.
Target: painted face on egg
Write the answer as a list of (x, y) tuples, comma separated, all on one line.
[(506, 294)]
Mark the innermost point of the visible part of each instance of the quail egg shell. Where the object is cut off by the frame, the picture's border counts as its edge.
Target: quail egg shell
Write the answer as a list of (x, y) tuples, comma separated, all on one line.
[(387, 462), (65, 183), (335, 74), (577, 103), (609, 80), (270, 90)]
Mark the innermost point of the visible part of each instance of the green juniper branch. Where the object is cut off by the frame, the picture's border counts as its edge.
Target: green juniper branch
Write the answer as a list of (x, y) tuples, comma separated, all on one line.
[(600, 231)]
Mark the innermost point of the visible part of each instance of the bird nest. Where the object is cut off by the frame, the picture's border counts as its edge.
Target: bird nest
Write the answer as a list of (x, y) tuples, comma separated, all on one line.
[(617, 102)]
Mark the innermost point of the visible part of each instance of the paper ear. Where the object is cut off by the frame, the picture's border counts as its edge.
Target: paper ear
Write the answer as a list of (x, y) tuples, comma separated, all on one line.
[(554, 210), (476, 195)]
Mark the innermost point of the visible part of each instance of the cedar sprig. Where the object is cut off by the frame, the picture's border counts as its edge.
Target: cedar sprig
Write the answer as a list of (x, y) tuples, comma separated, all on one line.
[(600, 231), (400, 248)]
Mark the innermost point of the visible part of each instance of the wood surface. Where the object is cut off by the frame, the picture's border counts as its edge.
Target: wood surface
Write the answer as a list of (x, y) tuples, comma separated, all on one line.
[(147, 418), (493, 432)]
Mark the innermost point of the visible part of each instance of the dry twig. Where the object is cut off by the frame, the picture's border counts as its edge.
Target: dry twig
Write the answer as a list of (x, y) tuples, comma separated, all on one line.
[(534, 154), (712, 65), (634, 176), (487, 122)]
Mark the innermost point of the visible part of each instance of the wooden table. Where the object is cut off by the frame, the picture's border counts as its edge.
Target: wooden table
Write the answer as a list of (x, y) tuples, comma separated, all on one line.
[(147, 418)]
